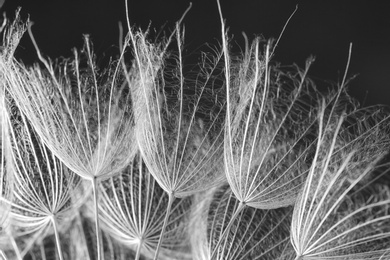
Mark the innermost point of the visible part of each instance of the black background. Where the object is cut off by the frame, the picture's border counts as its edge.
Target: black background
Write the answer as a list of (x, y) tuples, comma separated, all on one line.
[(320, 28)]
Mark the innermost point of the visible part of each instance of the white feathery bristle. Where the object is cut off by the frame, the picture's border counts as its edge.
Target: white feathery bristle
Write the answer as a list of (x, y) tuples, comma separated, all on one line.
[(182, 150), (42, 202), (267, 125), (254, 234), (337, 215), (132, 209)]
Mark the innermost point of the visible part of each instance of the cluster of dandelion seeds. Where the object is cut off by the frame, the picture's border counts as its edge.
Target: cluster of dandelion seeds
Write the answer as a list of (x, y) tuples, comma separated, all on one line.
[(236, 158)]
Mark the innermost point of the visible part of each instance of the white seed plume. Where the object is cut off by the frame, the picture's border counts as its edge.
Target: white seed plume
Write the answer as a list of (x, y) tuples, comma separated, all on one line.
[(182, 150), (83, 115), (337, 216), (266, 148), (132, 211), (42, 195), (255, 233), (11, 37)]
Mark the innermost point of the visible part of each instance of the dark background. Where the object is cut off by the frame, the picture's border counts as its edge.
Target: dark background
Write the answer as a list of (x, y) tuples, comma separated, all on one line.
[(320, 28)]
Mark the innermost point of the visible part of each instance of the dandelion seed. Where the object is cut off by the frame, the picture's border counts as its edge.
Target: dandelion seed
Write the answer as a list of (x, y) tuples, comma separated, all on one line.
[(182, 151), (330, 219), (255, 233), (42, 190), (132, 209), (85, 119), (267, 128), (266, 148)]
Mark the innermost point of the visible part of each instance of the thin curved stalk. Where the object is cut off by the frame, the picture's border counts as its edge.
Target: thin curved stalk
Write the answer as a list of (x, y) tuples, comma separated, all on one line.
[(16, 248), (97, 220), (57, 237), (2, 254), (138, 251), (171, 198)]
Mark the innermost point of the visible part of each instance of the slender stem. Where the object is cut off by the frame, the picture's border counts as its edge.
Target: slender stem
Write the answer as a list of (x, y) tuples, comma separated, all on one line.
[(240, 207), (43, 254), (138, 253), (16, 249), (97, 226), (83, 236), (2, 254), (58, 243), (171, 198)]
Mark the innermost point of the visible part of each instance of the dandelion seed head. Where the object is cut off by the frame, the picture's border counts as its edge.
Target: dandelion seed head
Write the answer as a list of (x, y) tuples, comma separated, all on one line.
[(182, 151), (132, 209), (266, 148), (330, 218)]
